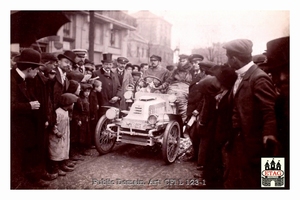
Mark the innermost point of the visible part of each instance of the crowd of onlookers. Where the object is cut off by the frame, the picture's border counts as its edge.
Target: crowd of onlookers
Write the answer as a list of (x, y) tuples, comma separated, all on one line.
[(233, 113)]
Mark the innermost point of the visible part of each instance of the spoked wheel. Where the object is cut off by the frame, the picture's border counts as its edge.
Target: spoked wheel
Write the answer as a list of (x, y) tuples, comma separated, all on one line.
[(171, 142), (104, 140)]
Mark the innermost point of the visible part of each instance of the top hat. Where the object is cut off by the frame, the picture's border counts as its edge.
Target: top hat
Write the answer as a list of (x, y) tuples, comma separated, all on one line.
[(107, 58), (30, 56), (278, 52), (68, 55)]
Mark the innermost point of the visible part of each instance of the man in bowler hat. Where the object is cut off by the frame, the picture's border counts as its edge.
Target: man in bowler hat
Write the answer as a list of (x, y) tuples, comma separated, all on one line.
[(253, 117), (65, 62), (24, 105)]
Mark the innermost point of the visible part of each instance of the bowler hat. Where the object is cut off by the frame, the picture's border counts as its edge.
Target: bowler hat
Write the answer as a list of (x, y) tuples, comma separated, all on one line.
[(67, 99), (68, 55), (239, 47), (195, 57), (122, 60), (107, 58), (30, 56), (156, 57), (48, 57)]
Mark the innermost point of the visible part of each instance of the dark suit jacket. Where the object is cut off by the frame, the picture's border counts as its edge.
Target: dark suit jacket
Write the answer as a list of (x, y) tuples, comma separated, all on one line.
[(23, 128), (59, 88), (195, 98), (110, 87), (253, 110)]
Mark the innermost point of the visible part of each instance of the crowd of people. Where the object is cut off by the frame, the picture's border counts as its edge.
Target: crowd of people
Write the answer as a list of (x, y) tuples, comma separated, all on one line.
[(232, 112)]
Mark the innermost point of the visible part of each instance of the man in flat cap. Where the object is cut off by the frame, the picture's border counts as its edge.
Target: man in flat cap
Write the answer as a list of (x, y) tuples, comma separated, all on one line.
[(198, 72), (155, 69), (253, 117), (178, 83)]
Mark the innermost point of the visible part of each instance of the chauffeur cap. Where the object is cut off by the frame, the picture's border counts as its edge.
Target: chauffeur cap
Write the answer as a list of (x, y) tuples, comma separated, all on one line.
[(122, 60), (155, 57)]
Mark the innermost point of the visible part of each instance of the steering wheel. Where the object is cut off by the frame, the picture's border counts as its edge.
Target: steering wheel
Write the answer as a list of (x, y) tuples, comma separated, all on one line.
[(142, 83)]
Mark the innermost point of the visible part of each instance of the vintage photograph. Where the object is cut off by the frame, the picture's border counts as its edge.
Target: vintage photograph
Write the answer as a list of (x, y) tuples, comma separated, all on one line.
[(149, 99)]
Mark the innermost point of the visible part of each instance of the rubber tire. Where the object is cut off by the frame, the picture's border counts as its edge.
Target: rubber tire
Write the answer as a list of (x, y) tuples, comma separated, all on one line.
[(170, 157), (101, 125)]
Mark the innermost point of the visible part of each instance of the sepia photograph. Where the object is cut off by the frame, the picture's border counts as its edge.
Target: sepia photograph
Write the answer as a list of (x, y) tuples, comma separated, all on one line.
[(149, 99)]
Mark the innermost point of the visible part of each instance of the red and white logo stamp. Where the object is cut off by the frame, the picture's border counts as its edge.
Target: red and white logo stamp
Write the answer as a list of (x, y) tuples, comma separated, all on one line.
[(272, 172)]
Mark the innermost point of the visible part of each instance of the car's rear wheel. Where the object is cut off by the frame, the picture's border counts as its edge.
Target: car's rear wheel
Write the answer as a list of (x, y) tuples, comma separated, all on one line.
[(104, 139), (171, 142)]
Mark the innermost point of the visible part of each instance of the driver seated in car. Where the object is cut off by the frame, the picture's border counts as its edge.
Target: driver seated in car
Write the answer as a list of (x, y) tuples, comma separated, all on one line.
[(178, 84), (155, 70)]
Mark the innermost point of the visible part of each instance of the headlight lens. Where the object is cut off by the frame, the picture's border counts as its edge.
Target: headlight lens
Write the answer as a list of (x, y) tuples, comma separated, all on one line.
[(128, 94), (112, 113), (152, 119)]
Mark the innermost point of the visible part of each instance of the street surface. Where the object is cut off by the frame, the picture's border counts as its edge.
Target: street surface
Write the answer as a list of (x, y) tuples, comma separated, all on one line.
[(129, 167)]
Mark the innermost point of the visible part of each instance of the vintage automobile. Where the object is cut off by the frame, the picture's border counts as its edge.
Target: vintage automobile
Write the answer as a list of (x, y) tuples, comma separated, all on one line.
[(151, 120)]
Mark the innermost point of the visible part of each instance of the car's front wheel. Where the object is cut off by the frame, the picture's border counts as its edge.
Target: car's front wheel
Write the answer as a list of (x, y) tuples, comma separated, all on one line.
[(171, 142), (104, 139)]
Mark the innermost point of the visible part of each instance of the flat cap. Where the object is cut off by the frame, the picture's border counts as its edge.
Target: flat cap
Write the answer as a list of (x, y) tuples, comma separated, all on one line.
[(155, 57), (75, 75), (183, 56), (67, 99), (86, 86), (122, 60), (239, 47), (195, 57)]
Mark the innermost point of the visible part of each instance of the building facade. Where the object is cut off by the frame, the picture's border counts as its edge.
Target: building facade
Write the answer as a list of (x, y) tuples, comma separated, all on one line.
[(157, 32), (110, 34)]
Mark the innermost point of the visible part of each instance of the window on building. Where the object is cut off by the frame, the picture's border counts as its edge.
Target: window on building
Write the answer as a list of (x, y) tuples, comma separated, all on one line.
[(115, 38), (138, 52), (67, 30)]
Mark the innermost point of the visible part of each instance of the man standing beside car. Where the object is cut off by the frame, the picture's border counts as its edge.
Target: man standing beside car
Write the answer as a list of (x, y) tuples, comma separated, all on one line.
[(111, 87)]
